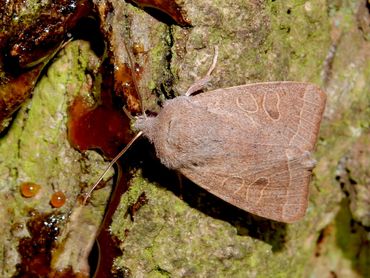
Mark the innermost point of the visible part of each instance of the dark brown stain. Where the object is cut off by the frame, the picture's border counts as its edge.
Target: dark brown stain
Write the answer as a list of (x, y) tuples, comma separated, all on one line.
[(171, 8), (35, 251)]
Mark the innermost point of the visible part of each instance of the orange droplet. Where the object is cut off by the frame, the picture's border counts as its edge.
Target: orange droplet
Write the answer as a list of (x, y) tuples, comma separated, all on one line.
[(29, 189), (58, 199)]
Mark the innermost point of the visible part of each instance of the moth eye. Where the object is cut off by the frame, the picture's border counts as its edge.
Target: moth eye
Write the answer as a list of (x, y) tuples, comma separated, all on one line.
[(29, 189), (58, 199)]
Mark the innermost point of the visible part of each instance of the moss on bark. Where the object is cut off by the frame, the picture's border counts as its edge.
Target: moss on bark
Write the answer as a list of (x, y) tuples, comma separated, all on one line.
[(198, 235)]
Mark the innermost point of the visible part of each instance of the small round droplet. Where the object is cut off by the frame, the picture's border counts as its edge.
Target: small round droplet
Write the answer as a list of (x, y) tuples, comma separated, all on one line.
[(58, 199), (29, 189)]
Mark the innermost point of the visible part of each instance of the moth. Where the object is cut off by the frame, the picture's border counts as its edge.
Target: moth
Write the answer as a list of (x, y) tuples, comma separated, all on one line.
[(249, 145)]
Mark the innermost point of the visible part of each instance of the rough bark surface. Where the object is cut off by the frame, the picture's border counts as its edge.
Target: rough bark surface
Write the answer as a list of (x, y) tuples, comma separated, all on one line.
[(197, 235)]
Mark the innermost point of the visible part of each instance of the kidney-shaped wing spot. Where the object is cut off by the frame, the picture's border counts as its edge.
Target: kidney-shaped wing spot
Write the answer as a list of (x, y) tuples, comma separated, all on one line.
[(262, 184), (233, 183), (270, 104), (242, 190), (248, 105)]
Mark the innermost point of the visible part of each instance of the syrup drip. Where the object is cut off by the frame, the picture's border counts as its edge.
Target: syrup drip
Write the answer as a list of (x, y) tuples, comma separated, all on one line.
[(29, 189), (58, 199)]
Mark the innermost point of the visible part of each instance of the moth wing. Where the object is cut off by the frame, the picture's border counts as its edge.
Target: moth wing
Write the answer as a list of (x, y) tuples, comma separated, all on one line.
[(275, 189), (274, 113), (266, 167)]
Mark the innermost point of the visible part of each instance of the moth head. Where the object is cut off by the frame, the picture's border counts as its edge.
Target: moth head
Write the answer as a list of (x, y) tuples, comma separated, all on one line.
[(147, 125)]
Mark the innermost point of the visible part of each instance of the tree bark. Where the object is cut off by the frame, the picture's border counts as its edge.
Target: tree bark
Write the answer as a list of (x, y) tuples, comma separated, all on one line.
[(183, 231)]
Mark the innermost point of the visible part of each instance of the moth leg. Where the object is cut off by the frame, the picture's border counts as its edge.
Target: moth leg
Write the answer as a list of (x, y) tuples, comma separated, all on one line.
[(180, 178), (199, 84), (128, 114)]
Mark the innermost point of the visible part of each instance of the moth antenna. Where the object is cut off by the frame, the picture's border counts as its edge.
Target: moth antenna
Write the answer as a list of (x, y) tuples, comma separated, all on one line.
[(51, 56), (214, 61), (120, 154), (199, 84), (63, 44), (133, 75)]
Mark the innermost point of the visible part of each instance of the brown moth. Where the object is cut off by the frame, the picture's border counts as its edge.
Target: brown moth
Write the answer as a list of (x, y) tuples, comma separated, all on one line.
[(249, 145)]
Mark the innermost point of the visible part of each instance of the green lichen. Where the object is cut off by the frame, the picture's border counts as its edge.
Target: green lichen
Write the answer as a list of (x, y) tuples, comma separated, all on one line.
[(164, 234), (343, 250), (198, 235), (299, 38), (350, 239), (276, 40), (168, 235), (25, 13), (35, 149)]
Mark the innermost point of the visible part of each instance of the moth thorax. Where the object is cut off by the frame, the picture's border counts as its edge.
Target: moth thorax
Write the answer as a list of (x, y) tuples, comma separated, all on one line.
[(147, 126)]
